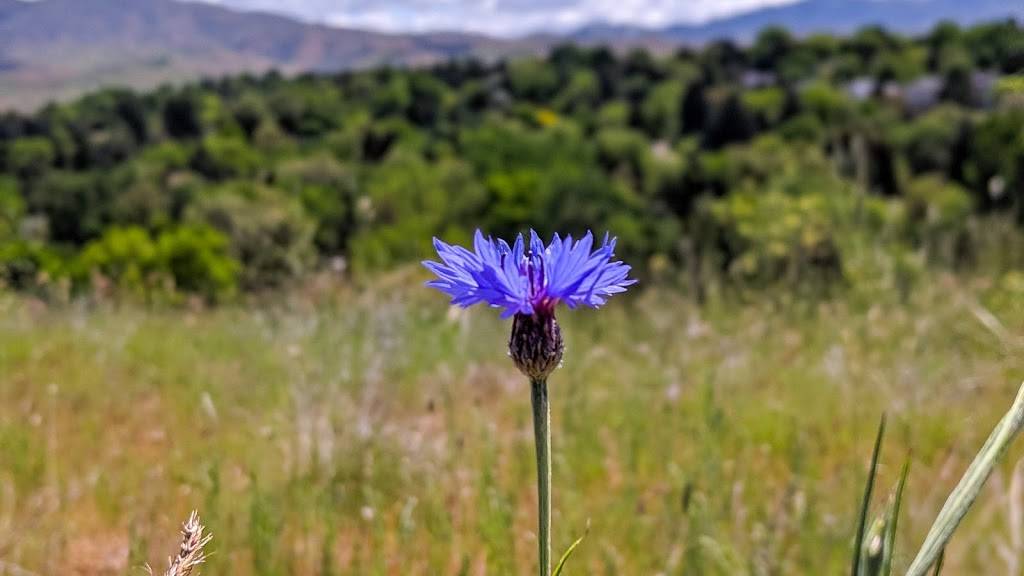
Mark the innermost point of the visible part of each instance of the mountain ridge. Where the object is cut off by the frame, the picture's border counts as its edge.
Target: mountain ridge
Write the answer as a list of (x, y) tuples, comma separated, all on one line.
[(810, 16), (58, 49)]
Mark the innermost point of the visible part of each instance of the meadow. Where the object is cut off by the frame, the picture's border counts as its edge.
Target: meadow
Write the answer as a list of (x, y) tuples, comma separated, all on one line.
[(342, 430)]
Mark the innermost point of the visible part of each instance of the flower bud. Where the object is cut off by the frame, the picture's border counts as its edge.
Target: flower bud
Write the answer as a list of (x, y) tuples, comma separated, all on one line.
[(536, 344)]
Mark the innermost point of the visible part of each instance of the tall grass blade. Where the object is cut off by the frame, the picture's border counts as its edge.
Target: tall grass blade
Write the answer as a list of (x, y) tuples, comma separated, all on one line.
[(966, 492), (568, 553), (893, 520), (862, 522)]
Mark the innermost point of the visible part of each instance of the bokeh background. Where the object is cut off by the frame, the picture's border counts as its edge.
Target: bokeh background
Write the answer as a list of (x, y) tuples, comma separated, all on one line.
[(211, 218)]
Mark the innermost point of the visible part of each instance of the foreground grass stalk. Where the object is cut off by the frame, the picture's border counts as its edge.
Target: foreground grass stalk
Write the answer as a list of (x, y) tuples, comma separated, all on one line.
[(191, 554), (966, 492), (862, 521), (542, 437)]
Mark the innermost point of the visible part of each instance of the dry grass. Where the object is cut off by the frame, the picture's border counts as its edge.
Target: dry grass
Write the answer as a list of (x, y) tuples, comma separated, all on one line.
[(191, 554), (381, 434)]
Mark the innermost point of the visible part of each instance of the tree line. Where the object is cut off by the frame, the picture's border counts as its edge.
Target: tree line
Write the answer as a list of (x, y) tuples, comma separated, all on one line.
[(837, 159)]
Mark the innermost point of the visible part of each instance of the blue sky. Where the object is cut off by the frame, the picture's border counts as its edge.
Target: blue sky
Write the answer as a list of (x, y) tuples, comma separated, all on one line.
[(501, 17)]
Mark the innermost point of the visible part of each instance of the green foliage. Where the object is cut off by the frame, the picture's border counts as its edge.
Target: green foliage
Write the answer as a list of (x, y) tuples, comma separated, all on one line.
[(581, 94), (126, 255), (29, 158), (12, 208), (930, 141), (327, 190), (26, 265), (193, 259), (660, 110), (265, 519), (532, 79), (407, 202), (24, 456), (198, 259), (941, 207), (786, 227), (182, 117), (223, 158), (75, 205), (827, 103), (368, 165), (766, 104), (1011, 89), (268, 233)]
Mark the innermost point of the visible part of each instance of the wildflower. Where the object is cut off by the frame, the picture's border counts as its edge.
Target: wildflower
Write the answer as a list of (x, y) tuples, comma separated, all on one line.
[(528, 282)]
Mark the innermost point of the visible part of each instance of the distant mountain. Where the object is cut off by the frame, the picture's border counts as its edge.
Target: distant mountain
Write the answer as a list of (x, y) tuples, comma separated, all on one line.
[(56, 49), (59, 48), (808, 16)]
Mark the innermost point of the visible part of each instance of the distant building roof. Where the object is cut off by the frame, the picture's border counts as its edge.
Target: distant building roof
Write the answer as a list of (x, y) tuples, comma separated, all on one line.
[(757, 79), (922, 93), (983, 88), (862, 88)]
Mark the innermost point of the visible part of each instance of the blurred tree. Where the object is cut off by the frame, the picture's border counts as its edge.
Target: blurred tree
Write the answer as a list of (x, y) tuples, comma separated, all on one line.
[(938, 213), (198, 259), (269, 233), (223, 158), (408, 202), (127, 256), (532, 79), (30, 158), (694, 109), (328, 191), (730, 123), (181, 116), (772, 46), (427, 95), (12, 208)]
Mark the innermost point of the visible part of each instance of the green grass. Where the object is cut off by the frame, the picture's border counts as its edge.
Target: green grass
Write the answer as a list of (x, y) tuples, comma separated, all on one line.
[(358, 433)]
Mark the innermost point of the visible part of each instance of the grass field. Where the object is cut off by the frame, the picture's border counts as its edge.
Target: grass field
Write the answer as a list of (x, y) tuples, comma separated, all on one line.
[(358, 432)]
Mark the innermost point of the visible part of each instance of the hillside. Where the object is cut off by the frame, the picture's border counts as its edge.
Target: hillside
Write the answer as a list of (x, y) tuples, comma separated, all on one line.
[(60, 48)]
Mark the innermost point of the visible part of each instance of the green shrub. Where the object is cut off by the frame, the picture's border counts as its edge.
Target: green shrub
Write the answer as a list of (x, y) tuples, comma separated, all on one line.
[(221, 158), (199, 260), (327, 190), (191, 259), (12, 208), (30, 157), (268, 233), (408, 201), (126, 256), (26, 265), (783, 225), (938, 214)]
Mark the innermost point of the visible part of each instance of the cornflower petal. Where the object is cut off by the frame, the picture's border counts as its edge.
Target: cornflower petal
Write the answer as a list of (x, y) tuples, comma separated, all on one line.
[(524, 278)]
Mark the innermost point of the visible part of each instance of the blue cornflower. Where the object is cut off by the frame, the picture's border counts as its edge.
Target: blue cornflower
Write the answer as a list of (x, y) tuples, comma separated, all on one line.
[(528, 280)]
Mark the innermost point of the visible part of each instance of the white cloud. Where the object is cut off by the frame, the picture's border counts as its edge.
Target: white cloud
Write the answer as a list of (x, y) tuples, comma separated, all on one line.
[(501, 17)]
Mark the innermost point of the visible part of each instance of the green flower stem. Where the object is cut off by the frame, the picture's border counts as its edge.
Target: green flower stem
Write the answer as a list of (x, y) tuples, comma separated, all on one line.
[(542, 437)]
